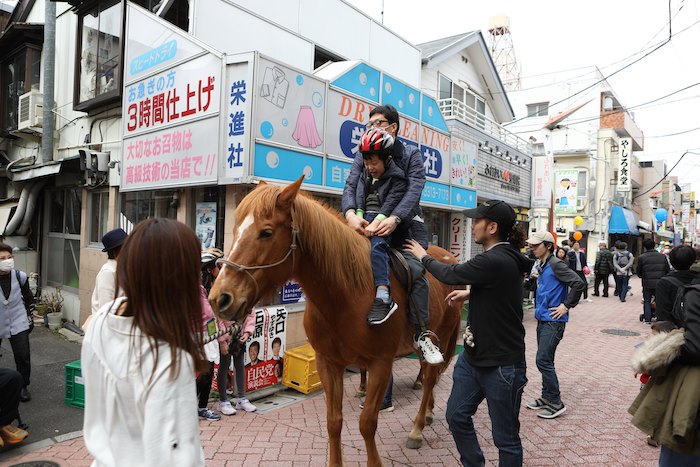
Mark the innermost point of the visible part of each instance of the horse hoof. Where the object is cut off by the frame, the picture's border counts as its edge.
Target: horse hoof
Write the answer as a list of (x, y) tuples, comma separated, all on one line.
[(417, 385), (413, 443), (428, 419), (360, 393)]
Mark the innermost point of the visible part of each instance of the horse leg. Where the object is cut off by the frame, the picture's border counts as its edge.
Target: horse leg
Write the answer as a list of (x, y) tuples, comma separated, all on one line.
[(376, 387), (418, 384), (430, 375), (362, 390), (331, 376)]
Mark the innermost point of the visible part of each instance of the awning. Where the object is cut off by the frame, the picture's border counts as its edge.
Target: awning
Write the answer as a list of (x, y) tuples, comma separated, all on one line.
[(622, 221), (664, 234)]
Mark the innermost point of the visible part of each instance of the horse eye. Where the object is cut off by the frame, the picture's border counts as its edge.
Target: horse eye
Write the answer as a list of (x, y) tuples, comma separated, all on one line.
[(266, 233)]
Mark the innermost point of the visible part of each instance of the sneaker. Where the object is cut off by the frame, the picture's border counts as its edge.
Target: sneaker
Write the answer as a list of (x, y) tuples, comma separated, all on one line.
[(589, 300), (552, 411), (206, 414), (225, 408), (431, 353), (12, 435), (244, 404), (24, 395), (536, 404), (652, 442), (229, 391), (381, 311), (386, 406)]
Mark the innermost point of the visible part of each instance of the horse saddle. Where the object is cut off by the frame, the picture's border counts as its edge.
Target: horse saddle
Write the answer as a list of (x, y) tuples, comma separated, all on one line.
[(400, 268)]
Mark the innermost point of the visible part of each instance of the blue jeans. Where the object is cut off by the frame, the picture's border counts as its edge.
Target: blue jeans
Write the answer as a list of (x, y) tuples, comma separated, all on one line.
[(623, 286), (647, 294), (502, 387), (549, 334), (380, 255), (671, 458)]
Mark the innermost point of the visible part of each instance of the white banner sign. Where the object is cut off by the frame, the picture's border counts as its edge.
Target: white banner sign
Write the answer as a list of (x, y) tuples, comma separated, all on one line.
[(624, 173), (541, 182)]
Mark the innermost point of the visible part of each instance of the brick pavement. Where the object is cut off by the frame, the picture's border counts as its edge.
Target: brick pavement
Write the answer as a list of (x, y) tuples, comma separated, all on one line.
[(596, 382)]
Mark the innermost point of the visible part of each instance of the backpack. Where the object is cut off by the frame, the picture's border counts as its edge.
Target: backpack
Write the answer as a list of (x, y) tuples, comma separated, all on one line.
[(623, 258), (678, 312)]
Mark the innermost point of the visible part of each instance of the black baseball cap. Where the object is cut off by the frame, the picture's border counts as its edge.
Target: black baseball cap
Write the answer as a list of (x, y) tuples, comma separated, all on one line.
[(495, 210)]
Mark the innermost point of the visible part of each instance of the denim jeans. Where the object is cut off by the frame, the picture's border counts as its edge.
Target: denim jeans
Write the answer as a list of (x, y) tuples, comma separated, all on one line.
[(502, 387), (380, 255), (647, 294), (549, 334), (670, 458), (622, 288)]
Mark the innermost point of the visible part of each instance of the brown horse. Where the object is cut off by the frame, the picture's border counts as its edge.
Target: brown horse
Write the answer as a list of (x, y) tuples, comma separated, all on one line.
[(281, 233)]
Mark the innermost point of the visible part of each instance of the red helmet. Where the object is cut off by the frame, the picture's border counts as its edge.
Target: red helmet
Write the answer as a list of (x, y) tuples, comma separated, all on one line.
[(376, 141)]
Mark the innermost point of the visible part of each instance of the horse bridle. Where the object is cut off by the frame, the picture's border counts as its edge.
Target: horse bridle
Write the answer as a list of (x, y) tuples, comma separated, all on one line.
[(245, 269)]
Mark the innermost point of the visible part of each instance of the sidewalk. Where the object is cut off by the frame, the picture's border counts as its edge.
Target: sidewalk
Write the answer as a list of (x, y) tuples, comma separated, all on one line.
[(596, 381)]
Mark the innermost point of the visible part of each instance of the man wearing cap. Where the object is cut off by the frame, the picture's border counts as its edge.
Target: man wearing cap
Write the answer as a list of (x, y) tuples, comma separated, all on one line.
[(104, 291), (492, 366), (558, 290)]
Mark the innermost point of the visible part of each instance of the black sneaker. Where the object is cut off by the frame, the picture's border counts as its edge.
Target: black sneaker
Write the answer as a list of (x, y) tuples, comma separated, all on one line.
[(551, 411), (381, 311), (386, 406)]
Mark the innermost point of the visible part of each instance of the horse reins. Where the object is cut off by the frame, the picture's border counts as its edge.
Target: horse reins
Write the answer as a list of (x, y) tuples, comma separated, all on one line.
[(245, 269)]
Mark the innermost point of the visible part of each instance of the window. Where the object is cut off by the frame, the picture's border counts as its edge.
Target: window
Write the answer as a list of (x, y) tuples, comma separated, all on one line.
[(139, 205), (448, 90), (582, 184), (539, 109), (99, 207), (209, 204), (62, 264), (20, 74), (99, 55), (321, 57), (445, 88), (644, 164)]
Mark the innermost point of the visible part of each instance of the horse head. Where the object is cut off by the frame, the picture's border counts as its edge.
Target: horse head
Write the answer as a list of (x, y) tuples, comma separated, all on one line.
[(262, 256)]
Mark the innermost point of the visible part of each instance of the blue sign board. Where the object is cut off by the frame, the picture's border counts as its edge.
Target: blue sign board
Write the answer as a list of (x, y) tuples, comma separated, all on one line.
[(284, 164), (362, 80), (463, 198), (336, 173), (436, 193), (153, 57), (291, 292), (403, 97), (431, 114)]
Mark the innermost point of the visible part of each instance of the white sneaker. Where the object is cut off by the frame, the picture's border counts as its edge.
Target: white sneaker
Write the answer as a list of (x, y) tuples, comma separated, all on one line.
[(225, 408), (430, 352), (589, 300), (244, 404)]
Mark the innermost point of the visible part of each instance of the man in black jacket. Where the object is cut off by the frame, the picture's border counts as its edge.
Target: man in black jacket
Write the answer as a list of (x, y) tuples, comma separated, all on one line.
[(494, 367), (651, 267), (682, 257), (602, 268)]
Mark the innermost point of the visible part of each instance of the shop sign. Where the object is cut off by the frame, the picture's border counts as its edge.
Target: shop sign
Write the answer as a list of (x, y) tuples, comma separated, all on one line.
[(237, 120), (541, 182), (436, 193), (264, 351), (433, 145), (462, 162), (509, 180), (292, 293), (290, 107), (565, 191), (624, 182), (346, 120), (459, 237)]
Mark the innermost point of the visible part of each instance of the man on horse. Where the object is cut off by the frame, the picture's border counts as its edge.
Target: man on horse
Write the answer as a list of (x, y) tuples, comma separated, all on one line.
[(404, 222), (493, 366)]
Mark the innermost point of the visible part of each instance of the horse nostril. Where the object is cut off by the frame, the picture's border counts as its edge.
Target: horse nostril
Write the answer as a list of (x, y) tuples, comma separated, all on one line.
[(225, 300)]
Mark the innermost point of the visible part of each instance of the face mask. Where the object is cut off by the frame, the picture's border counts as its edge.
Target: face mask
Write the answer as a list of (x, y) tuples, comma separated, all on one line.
[(7, 265)]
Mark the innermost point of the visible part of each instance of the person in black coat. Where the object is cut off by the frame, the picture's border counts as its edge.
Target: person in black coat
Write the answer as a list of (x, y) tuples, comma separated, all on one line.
[(682, 257), (577, 261), (651, 267), (603, 267)]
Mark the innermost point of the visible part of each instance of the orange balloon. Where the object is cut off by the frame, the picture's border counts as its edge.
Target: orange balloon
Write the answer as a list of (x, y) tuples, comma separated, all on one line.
[(578, 236)]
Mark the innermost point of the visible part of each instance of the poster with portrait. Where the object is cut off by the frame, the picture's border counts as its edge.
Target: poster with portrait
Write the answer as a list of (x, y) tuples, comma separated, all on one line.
[(264, 351), (205, 224), (565, 191)]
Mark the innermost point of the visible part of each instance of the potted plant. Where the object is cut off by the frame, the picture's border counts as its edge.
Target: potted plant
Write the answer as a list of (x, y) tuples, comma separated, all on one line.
[(50, 305)]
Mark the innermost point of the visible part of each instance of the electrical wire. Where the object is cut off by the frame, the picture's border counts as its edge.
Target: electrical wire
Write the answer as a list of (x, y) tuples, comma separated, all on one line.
[(665, 176), (670, 35)]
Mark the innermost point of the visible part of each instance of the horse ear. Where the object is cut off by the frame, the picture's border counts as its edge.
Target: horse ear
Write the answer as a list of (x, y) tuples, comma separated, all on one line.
[(286, 198), (262, 183)]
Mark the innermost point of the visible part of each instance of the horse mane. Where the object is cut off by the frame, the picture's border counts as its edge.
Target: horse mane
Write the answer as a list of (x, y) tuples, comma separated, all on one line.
[(323, 231)]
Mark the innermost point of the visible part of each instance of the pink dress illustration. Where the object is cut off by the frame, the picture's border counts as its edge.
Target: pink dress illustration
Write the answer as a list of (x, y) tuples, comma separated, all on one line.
[(305, 133)]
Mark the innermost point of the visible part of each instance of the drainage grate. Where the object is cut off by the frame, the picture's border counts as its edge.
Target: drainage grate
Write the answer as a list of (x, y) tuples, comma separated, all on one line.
[(36, 464), (620, 332)]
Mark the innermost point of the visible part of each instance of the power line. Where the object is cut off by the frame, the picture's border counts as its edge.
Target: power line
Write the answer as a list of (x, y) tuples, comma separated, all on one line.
[(614, 72), (674, 134), (667, 174)]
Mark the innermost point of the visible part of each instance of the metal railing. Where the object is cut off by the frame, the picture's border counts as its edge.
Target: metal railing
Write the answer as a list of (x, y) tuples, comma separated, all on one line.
[(456, 109)]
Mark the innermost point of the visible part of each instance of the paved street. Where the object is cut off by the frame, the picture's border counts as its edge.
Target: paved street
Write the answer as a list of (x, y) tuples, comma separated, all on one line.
[(597, 387)]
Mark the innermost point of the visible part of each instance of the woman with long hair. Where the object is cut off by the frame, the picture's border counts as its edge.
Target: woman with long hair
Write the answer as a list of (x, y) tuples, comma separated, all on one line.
[(140, 354)]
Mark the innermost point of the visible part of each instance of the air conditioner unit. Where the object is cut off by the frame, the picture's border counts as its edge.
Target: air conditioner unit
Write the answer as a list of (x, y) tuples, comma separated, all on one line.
[(31, 106)]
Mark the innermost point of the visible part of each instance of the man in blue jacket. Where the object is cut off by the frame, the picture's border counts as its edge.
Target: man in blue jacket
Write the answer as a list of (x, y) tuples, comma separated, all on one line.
[(558, 290)]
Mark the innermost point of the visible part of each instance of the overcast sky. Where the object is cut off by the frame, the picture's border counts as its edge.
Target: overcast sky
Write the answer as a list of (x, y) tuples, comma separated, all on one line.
[(554, 36)]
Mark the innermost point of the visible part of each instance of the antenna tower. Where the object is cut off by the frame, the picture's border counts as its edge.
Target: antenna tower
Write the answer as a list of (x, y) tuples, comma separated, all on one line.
[(500, 45)]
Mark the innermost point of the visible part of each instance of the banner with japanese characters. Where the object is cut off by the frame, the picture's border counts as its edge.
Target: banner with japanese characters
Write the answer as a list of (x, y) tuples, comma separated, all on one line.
[(460, 237), (264, 351), (565, 191), (237, 121), (463, 162), (624, 170)]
